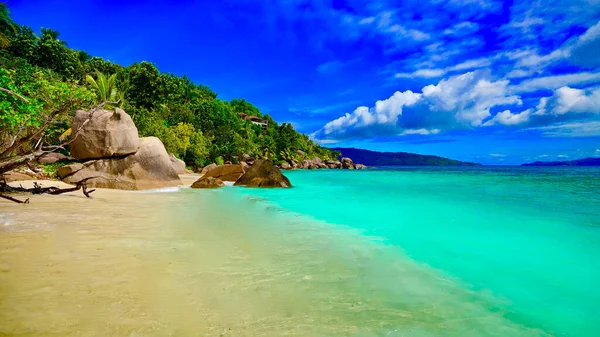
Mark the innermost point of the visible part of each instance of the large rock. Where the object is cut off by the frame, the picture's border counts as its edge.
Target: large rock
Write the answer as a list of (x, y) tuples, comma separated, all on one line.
[(150, 167), (228, 172), (333, 164), (208, 182), (286, 166), (263, 174), (208, 168), (105, 134), (67, 170), (347, 163), (11, 176), (52, 157), (360, 166), (178, 164)]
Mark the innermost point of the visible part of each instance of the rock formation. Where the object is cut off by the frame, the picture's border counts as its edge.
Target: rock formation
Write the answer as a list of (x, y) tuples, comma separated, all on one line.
[(103, 133), (178, 164), (208, 182), (148, 168), (227, 172), (208, 168), (52, 157), (120, 161), (263, 174), (347, 163)]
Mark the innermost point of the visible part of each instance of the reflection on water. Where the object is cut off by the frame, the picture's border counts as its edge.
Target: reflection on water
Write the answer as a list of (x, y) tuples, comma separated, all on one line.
[(213, 263)]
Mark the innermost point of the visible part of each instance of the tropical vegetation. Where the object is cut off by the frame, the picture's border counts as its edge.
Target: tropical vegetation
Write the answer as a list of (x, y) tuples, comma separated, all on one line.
[(42, 77)]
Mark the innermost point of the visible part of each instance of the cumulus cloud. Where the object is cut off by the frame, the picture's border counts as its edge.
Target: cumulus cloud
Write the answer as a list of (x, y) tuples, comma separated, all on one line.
[(458, 102), (370, 122), (565, 105), (508, 118), (568, 100), (466, 101)]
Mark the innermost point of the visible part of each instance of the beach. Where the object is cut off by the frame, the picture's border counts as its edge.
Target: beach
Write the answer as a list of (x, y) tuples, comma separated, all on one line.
[(248, 262)]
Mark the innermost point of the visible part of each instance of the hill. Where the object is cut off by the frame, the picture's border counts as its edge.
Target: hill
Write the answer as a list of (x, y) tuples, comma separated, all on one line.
[(40, 75), (373, 158), (578, 162)]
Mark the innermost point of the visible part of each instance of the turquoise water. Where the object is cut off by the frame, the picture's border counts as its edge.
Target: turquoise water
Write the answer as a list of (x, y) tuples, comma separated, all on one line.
[(524, 241)]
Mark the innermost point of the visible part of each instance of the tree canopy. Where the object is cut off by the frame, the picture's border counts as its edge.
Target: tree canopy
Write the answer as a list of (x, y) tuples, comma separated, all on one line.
[(191, 121)]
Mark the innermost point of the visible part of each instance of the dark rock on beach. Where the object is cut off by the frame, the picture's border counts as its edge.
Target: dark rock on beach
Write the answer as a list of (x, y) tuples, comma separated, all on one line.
[(208, 182), (228, 172), (208, 168), (263, 174)]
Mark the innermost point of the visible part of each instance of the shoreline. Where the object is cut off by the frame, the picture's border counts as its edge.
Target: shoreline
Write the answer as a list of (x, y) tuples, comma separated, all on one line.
[(249, 260)]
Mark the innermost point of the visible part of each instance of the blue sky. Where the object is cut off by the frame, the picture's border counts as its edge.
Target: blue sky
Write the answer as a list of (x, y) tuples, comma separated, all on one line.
[(497, 82)]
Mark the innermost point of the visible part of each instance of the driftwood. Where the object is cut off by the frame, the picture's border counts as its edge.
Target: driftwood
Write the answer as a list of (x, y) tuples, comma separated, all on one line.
[(39, 189)]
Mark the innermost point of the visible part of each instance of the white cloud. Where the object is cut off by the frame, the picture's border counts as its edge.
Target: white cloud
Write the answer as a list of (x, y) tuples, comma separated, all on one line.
[(468, 97), (369, 121), (457, 102), (566, 104), (568, 100), (498, 155), (424, 73), (462, 29), (556, 81), (437, 72), (579, 129), (586, 48), (508, 118)]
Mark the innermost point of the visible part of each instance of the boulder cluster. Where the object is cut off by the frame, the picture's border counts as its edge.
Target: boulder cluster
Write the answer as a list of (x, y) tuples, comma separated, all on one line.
[(113, 156), (309, 164), (262, 173)]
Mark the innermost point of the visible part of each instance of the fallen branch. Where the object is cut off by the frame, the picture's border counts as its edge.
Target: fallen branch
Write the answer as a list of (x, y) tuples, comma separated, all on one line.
[(13, 199), (52, 190)]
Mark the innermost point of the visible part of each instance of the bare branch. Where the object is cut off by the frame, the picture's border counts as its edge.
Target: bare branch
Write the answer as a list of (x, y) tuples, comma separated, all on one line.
[(41, 129), (13, 199), (15, 94)]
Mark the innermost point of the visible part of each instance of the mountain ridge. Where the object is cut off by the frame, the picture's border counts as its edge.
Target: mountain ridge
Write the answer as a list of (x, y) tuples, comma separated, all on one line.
[(375, 158), (590, 161)]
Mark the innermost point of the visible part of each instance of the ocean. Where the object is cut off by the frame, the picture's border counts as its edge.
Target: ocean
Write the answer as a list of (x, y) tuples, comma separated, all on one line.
[(396, 251)]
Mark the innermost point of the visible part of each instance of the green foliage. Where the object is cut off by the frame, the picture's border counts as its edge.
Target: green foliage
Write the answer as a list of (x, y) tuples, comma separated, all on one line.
[(46, 94), (219, 161), (106, 91), (51, 169), (7, 26), (189, 118)]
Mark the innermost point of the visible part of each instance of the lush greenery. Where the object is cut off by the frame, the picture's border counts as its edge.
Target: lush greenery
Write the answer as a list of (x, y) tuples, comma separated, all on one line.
[(189, 118)]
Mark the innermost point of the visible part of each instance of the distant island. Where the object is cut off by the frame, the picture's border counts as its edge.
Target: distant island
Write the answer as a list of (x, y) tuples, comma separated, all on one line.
[(374, 158), (579, 162)]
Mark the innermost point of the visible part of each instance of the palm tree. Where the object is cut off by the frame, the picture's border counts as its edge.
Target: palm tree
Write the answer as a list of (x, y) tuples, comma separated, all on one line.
[(105, 88), (6, 25)]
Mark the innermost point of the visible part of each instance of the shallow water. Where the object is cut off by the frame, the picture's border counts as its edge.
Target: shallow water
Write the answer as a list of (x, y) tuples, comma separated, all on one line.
[(374, 253)]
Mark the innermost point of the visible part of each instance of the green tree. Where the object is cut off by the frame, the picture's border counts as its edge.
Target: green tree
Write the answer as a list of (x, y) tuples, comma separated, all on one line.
[(7, 26), (105, 88)]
